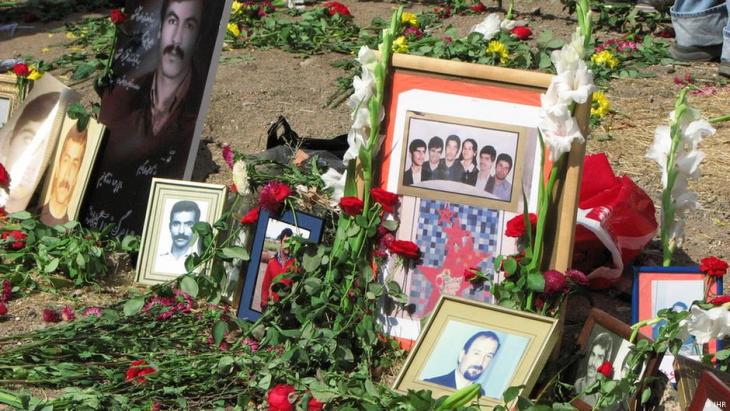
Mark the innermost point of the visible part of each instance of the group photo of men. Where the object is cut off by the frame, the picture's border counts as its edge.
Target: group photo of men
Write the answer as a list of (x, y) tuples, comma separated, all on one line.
[(481, 164)]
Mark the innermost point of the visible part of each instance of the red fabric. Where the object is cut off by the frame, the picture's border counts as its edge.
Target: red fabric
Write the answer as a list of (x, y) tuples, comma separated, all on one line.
[(620, 211), (273, 269)]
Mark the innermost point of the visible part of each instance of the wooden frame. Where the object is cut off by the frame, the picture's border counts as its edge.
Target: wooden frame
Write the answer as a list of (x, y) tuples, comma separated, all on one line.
[(270, 228), (156, 264), (712, 394), (94, 134), (599, 322), (482, 94), (688, 373), (514, 347), (9, 92)]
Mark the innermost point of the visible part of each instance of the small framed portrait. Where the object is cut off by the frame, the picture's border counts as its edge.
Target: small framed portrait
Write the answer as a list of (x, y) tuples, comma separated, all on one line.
[(468, 342), (69, 172), (688, 373), (657, 288), (8, 97), (270, 257), (712, 394), (605, 338), (168, 237), (463, 160)]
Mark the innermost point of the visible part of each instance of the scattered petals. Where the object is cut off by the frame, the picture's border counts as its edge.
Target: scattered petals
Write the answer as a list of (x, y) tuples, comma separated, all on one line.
[(67, 313), (50, 315)]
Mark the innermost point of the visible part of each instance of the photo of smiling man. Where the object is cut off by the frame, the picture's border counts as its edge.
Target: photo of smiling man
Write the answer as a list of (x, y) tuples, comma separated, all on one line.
[(174, 249)]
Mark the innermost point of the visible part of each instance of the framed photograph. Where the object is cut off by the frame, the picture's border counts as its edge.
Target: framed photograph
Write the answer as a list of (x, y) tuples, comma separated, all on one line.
[(461, 148), (688, 373), (8, 97), (656, 288), (69, 172), (155, 106), (168, 237), (469, 342), (29, 137), (270, 257), (712, 394), (605, 338)]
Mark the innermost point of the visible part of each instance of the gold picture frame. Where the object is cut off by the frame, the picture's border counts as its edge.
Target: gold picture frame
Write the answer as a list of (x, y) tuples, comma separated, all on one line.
[(174, 207), (462, 334), (8, 97)]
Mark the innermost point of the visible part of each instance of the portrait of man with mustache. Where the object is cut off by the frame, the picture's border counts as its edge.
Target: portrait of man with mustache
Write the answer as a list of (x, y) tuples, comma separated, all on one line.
[(152, 109), (183, 216), (65, 177)]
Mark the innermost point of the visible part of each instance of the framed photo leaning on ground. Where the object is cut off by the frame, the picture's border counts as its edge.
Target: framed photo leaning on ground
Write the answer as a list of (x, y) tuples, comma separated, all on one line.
[(8, 97), (605, 338), (461, 147), (270, 258), (712, 394), (69, 172), (469, 342), (168, 239)]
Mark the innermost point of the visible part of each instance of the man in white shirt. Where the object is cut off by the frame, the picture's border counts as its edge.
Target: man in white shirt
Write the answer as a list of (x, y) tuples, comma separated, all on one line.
[(183, 216)]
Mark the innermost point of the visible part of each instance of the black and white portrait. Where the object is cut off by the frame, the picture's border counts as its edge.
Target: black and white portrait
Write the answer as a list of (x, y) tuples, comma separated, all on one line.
[(177, 240)]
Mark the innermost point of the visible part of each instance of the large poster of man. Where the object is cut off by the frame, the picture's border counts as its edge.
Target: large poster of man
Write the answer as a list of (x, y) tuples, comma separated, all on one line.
[(154, 107)]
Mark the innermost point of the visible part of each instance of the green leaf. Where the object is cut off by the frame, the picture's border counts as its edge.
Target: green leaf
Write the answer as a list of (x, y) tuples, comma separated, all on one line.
[(536, 282), (219, 331), (312, 285), (510, 265), (20, 215), (390, 225), (511, 393), (236, 252), (133, 306), (645, 395), (311, 261), (189, 285), (51, 267)]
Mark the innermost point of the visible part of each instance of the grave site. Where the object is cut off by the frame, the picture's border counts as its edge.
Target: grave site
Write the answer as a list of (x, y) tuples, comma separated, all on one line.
[(364, 205)]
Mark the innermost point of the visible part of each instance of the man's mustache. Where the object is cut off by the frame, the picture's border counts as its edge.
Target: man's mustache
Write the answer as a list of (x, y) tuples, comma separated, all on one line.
[(174, 50), (181, 237)]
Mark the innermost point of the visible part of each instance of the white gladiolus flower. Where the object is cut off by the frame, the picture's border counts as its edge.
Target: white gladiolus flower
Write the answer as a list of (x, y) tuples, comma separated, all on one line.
[(689, 163), (507, 24), (706, 325), (364, 86), (659, 150), (696, 131), (566, 59), (356, 139), (240, 177), (367, 58), (551, 104), (336, 181), (574, 85), (489, 27), (559, 132)]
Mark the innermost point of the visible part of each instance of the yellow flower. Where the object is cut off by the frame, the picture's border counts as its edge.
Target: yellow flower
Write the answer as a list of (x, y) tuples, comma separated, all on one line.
[(600, 105), (235, 7), (233, 29), (70, 35), (498, 48), (409, 19), (400, 45), (45, 50), (605, 58), (34, 75)]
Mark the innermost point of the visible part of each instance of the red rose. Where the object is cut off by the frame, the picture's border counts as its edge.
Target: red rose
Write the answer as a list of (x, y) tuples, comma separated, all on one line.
[(606, 369), (335, 7), (314, 405), (478, 8), (21, 70), (470, 273), (351, 205), (4, 177), (50, 316), (272, 195), (516, 226), (3, 309), (118, 16), (15, 238), (407, 249), (67, 314), (521, 32), (554, 282), (281, 398), (577, 276), (719, 300), (137, 370), (713, 266), (251, 217), (385, 198)]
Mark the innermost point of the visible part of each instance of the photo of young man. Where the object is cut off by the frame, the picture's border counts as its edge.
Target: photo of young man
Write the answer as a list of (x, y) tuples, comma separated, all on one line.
[(183, 216), (486, 158), (65, 176), (436, 170), (498, 184), (454, 170), (415, 174)]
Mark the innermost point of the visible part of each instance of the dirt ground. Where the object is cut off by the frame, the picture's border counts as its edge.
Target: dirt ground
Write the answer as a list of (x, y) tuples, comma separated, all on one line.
[(253, 87)]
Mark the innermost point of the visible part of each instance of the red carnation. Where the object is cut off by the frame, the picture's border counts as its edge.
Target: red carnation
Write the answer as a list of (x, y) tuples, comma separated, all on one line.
[(251, 217), (137, 370), (21, 70), (51, 316), (351, 205), (719, 300), (606, 369), (554, 282), (272, 195), (407, 249), (521, 32), (3, 309), (516, 226), (713, 266), (385, 198), (67, 314), (15, 238), (228, 155), (314, 405), (577, 276), (4, 177), (281, 398), (413, 32), (478, 8), (118, 16), (7, 292), (335, 7)]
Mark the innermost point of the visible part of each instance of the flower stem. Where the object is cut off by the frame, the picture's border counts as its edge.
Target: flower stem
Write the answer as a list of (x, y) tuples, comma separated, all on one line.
[(720, 119)]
